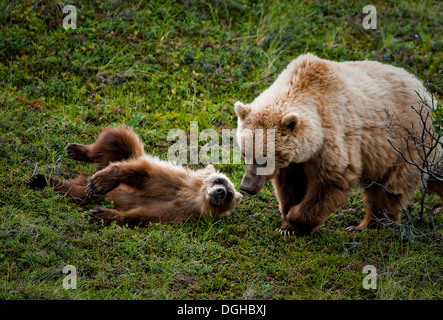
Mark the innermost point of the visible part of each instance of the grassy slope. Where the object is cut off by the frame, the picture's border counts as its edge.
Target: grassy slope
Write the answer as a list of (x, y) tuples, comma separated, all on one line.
[(159, 67)]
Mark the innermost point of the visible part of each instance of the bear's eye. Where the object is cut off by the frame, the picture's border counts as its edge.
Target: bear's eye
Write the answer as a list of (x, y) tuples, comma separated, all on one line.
[(217, 181)]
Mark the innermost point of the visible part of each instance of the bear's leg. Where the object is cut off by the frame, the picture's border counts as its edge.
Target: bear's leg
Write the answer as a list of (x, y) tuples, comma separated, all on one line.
[(290, 186), (74, 188), (382, 206), (132, 172), (436, 186), (108, 216), (113, 144), (163, 212), (320, 201), (388, 197)]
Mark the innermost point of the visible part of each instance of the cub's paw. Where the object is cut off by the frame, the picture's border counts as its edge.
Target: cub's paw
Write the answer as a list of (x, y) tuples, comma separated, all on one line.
[(78, 152), (100, 184), (102, 214), (37, 181)]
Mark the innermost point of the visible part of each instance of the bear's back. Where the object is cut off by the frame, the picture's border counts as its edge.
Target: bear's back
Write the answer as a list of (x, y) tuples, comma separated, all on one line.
[(393, 86)]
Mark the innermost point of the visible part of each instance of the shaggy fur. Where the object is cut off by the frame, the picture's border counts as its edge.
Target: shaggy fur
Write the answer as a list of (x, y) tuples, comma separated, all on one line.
[(332, 123), (144, 189)]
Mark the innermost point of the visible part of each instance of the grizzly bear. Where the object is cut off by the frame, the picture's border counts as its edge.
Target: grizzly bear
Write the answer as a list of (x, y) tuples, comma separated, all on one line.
[(335, 127), (143, 188)]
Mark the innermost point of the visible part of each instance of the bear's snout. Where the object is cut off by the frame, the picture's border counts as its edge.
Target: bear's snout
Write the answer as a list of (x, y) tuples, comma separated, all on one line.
[(249, 191), (220, 193), (251, 182)]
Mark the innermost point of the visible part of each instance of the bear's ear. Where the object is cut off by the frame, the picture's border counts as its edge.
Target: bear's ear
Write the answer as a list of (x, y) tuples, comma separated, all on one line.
[(241, 110), (210, 168), (291, 120)]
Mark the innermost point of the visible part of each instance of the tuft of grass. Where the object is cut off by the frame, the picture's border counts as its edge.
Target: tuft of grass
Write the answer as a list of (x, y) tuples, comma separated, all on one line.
[(158, 67)]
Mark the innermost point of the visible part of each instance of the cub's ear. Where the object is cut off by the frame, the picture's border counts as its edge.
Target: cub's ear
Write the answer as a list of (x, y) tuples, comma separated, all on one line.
[(291, 120), (241, 110), (238, 197), (210, 168)]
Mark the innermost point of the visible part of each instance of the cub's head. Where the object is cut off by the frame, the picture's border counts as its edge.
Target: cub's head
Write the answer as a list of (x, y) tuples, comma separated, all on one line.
[(219, 193), (273, 136)]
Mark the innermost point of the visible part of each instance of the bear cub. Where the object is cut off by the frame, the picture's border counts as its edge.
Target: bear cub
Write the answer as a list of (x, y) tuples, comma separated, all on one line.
[(144, 189)]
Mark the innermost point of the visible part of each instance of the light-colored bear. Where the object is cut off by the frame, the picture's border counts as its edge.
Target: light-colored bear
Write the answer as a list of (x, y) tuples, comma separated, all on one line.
[(335, 125)]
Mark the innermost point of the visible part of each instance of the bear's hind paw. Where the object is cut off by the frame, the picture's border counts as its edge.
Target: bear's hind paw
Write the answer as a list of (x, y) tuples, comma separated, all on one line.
[(37, 181), (102, 214), (354, 229), (78, 152)]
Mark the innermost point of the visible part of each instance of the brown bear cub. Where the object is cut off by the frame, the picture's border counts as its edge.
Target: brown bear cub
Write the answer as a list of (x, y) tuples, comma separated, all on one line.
[(144, 189)]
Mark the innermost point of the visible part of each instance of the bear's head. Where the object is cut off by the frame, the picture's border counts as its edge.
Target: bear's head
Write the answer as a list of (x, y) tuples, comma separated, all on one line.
[(271, 136), (219, 192)]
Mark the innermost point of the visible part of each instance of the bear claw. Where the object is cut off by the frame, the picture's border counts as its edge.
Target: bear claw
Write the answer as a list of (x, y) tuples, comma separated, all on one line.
[(100, 185), (93, 214), (92, 190), (352, 229), (87, 214), (286, 232)]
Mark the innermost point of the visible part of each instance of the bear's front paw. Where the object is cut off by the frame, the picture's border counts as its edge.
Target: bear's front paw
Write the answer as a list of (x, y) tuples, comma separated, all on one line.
[(100, 184), (286, 232), (286, 229), (297, 229), (37, 181)]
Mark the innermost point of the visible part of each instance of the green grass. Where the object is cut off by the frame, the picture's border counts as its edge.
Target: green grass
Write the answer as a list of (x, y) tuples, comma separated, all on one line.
[(156, 68)]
